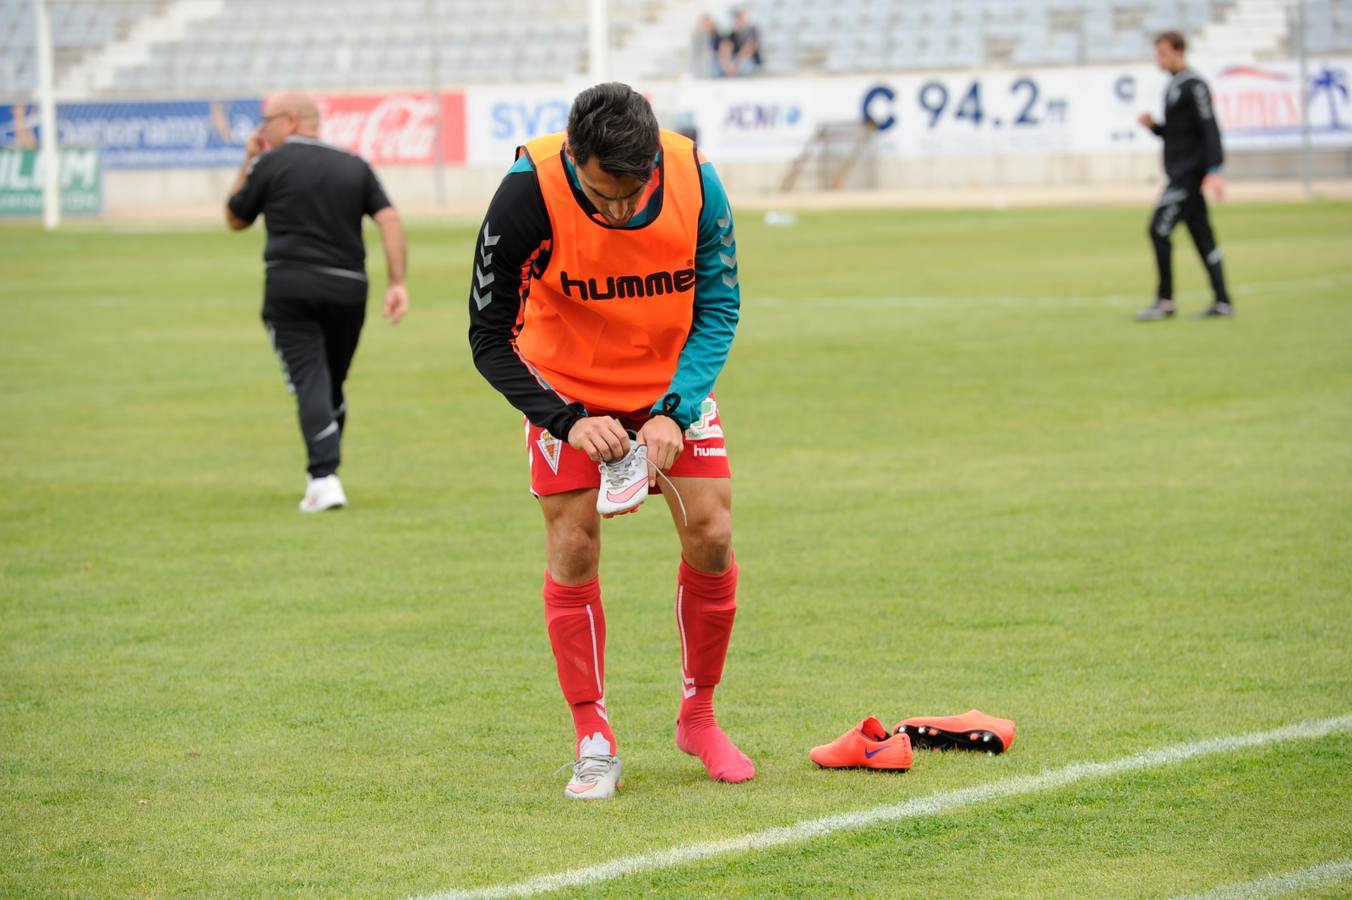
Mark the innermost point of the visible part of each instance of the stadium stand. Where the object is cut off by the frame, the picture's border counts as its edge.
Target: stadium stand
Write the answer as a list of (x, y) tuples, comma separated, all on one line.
[(78, 29), (165, 48), (862, 35), (1329, 26), (227, 46)]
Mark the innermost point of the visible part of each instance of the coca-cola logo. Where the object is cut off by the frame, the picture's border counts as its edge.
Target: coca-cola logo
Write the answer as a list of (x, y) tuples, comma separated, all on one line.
[(398, 128)]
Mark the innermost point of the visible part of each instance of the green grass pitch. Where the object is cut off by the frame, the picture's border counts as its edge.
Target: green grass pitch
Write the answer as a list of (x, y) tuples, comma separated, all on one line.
[(963, 477)]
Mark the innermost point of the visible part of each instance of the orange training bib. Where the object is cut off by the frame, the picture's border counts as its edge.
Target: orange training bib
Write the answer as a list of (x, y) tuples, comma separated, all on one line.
[(607, 320)]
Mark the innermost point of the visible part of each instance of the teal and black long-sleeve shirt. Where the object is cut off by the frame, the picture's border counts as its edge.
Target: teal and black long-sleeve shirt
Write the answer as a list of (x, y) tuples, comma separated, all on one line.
[(516, 247)]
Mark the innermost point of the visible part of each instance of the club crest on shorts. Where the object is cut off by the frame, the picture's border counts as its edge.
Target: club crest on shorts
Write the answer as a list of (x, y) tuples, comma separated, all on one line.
[(550, 449), (704, 428)]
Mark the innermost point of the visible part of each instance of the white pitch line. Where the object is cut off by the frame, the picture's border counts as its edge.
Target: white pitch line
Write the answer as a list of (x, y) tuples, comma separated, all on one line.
[(922, 806), (1281, 883)]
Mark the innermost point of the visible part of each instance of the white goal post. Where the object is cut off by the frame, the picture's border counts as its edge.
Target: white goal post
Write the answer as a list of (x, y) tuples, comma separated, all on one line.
[(47, 153)]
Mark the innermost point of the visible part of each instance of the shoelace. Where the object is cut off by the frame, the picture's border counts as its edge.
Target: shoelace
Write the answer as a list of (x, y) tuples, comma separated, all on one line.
[(587, 769), (622, 470), (675, 493)]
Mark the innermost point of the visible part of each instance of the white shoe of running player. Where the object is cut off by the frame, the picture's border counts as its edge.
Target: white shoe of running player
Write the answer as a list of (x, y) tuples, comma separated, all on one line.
[(1157, 311), (594, 778), (624, 483), (323, 493)]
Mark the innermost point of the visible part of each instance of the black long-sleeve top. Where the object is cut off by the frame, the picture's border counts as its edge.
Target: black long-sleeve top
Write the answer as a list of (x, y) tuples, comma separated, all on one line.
[(1192, 139)]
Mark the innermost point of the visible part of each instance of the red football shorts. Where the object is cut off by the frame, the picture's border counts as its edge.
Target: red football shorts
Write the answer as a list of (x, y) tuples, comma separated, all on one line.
[(555, 466)]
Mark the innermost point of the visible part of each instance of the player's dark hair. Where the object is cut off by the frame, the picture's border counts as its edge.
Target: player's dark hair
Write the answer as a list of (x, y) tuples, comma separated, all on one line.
[(614, 123), (1174, 39)]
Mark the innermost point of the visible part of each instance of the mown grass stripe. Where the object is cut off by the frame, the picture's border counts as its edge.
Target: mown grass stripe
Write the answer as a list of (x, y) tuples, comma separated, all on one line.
[(921, 806), (1281, 883)]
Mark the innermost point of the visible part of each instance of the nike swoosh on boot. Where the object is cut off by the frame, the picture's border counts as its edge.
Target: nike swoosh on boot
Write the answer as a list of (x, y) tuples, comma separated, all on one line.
[(627, 494)]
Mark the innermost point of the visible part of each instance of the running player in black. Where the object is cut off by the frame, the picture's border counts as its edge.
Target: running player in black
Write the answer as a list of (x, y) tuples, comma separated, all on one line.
[(313, 197), (1192, 162)]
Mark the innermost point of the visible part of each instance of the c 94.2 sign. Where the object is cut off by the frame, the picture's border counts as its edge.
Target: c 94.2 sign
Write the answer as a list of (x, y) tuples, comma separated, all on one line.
[(977, 103)]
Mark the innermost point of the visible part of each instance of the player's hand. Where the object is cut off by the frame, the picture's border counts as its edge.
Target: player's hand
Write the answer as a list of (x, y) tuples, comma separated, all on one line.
[(254, 146), (1214, 186), (1147, 121), (396, 302), (600, 437), (665, 442)]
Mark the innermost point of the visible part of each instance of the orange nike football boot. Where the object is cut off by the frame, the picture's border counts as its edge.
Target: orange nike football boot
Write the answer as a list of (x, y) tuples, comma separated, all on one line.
[(973, 730), (865, 746)]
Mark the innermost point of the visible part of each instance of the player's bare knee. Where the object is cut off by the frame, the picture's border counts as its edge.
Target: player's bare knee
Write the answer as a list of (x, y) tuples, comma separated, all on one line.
[(575, 537), (574, 549), (708, 544)]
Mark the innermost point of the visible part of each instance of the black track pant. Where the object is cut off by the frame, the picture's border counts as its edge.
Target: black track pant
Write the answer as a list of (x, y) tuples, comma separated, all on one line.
[(1183, 199), (316, 340)]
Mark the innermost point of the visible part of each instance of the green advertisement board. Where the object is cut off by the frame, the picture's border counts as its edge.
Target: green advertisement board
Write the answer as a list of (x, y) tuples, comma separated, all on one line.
[(21, 181)]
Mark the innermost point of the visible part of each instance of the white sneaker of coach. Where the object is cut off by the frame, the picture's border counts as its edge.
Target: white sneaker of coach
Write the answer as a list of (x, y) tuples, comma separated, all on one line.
[(624, 482), (323, 493)]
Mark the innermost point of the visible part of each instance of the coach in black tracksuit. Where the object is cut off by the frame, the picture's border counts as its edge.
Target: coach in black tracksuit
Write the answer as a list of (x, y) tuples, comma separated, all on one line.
[(313, 197), (1192, 162)]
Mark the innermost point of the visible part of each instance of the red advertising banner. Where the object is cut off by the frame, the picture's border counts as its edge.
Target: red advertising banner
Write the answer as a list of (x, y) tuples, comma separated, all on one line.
[(398, 129)]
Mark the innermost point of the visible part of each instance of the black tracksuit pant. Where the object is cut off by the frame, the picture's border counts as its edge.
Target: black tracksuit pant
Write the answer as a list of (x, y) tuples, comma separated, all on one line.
[(1183, 199), (316, 340)]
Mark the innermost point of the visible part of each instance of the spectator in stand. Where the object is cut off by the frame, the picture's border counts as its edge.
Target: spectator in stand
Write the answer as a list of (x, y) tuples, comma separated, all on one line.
[(706, 49), (740, 53)]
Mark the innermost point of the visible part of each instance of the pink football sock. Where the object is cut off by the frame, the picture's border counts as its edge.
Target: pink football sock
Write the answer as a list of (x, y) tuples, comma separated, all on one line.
[(577, 632)]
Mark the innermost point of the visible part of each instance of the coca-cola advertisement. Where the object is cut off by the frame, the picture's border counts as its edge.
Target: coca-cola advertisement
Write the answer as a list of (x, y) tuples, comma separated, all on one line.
[(395, 129)]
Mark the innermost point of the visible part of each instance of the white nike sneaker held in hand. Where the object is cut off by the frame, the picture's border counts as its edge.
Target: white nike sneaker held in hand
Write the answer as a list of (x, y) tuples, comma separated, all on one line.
[(624, 483)]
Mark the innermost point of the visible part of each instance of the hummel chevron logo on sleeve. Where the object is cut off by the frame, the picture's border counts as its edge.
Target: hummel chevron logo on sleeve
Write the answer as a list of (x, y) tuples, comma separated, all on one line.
[(728, 261), (1202, 99), (724, 224), (730, 280), (484, 276)]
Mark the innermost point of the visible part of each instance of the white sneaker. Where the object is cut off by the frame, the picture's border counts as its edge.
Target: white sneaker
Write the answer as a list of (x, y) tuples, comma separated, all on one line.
[(594, 778), (624, 482), (323, 493)]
